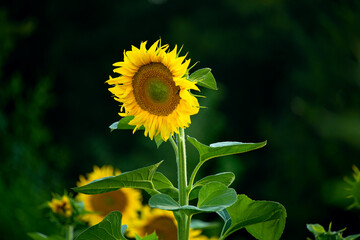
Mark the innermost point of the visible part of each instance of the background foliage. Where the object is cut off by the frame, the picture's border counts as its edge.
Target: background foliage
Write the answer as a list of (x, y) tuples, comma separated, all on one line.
[(288, 72)]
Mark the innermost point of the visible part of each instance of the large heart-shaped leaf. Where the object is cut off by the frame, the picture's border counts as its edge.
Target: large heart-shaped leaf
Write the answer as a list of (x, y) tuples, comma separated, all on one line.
[(225, 178), (139, 178), (108, 229), (263, 219), (222, 148), (213, 197)]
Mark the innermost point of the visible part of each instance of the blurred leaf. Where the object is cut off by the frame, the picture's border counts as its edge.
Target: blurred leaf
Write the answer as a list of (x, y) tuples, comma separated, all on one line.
[(352, 237), (213, 197), (123, 229), (264, 220), (108, 229), (203, 77), (225, 178), (40, 236), (223, 148), (139, 178), (316, 229), (320, 233)]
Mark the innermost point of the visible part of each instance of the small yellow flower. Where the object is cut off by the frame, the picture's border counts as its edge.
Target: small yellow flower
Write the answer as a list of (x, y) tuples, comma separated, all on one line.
[(160, 221), (126, 200), (153, 88), (61, 206)]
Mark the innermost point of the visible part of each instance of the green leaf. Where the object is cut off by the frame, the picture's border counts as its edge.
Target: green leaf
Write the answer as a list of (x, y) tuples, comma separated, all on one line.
[(108, 229), (216, 196), (163, 201), (139, 178), (320, 233), (225, 178), (123, 229), (123, 124), (316, 229), (352, 237), (264, 220), (40, 236), (148, 237), (227, 220), (199, 224), (213, 197), (163, 185), (203, 77), (222, 148)]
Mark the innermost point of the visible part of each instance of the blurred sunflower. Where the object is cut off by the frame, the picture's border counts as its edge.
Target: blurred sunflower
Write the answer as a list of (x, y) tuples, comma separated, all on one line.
[(354, 188), (61, 206), (126, 200), (153, 88), (160, 221)]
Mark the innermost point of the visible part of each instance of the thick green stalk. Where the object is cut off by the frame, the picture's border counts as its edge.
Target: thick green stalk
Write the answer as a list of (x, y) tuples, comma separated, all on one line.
[(69, 232), (184, 220)]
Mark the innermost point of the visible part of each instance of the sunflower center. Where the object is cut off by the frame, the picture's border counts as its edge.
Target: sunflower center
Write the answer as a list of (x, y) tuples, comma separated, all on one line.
[(155, 90), (164, 227), (107, 202), (158, 91)]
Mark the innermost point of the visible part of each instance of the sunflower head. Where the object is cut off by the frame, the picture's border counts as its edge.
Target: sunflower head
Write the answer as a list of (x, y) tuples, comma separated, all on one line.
[(162, 222), (154, 89), (126, 200), (61, 206)]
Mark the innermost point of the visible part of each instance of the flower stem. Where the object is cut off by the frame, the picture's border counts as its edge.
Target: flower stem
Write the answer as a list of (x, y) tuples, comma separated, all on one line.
[(193, 175), (184, 220), (69, 232)]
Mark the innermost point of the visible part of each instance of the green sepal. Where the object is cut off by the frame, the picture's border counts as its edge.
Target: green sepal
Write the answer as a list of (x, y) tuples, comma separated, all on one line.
[(203, 77), (264, 220), (158, 140), (40, 236), (108, 229), (213, 197), (163, 185), (223, 148), (225, 178), (123, 124), (140, 178), (148, 237)]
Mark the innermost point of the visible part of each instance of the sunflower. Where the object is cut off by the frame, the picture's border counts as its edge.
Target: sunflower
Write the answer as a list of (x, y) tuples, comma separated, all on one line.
[(354, 188), (126, 200), (153, 88), (61, 206), (160, 221)]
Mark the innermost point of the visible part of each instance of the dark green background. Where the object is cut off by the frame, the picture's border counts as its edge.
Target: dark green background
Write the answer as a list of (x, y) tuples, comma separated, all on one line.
[(288, 72)]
